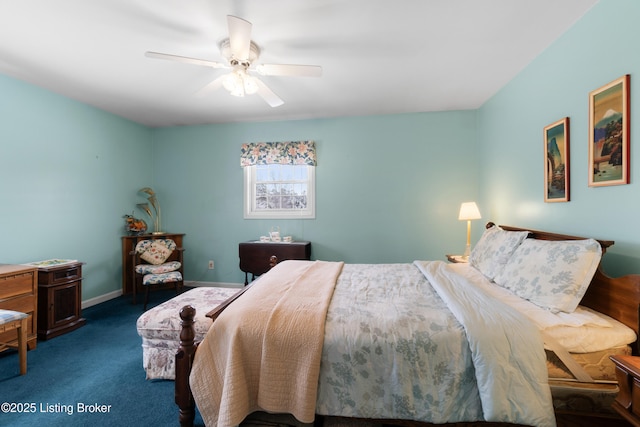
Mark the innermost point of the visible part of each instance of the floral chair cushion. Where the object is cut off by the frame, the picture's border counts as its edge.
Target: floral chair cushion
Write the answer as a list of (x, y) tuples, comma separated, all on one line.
[(158, 269), (7, 316), (157, 279)]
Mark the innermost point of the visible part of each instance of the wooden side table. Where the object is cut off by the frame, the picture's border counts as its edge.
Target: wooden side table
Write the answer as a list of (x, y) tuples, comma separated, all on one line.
[(256, 256), (59, 299), (627, 402)]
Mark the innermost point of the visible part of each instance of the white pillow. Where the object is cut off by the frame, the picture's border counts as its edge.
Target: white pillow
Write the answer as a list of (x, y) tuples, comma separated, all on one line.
[(552, 274), (494, 250)]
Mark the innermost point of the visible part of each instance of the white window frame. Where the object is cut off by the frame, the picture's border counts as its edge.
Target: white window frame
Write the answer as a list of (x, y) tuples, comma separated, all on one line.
[(250, 211)]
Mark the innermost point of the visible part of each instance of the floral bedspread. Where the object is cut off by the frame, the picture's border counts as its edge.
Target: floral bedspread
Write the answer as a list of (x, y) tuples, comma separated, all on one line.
[(393, 349)]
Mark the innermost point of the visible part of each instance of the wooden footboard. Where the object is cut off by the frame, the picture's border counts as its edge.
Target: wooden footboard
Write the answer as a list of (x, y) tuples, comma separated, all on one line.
[(184, 360), (185, 354)]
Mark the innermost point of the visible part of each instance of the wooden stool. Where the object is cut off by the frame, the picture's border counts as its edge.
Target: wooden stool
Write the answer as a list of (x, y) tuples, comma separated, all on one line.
[(10, 320)]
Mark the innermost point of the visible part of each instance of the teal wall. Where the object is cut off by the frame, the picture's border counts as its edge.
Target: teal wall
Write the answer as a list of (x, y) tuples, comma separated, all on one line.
[(388, 188), (599, 48), (68, 173)]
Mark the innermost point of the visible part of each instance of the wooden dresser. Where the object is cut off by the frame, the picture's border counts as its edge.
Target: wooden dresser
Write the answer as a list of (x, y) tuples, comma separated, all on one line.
[(255, 256), (19, 292), (128, 244), (59, 299)]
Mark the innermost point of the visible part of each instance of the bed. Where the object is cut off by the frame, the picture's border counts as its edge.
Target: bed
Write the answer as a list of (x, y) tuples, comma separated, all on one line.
[(489, 365)]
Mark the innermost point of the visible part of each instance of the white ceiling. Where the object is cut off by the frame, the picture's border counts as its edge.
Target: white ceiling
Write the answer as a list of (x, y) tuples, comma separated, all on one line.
[(378, 56)]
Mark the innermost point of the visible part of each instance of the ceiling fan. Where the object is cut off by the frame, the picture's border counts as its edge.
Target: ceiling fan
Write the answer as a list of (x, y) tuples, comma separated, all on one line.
[(241, 53)]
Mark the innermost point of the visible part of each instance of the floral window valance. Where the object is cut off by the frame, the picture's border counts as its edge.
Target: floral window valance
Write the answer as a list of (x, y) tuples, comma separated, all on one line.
[(283, 153)]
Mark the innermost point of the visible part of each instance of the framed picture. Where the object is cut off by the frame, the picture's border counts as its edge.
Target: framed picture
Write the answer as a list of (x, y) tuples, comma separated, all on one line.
[(609, 134), (556, 171)]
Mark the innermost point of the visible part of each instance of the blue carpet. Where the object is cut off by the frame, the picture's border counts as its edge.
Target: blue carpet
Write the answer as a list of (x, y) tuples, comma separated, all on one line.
[(91, 376)]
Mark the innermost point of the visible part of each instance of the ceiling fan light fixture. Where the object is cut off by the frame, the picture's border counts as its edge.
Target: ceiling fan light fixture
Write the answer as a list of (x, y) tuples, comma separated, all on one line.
[(250, 85), (239, 83), (233, 83), (241, 52)]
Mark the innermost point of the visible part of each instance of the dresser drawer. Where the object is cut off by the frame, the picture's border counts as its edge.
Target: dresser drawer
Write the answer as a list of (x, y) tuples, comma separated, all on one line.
[(18, 284)]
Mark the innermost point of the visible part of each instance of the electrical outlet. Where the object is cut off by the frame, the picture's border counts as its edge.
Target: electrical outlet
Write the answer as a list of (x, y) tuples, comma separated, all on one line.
[(211, 264)]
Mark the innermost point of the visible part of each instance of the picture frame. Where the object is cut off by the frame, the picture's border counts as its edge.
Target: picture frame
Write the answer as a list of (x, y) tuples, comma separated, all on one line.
[(556, 170), (609, 126)]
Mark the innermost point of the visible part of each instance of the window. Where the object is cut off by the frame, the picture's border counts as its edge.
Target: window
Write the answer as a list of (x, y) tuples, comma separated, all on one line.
[(279, 191), (279, 179)]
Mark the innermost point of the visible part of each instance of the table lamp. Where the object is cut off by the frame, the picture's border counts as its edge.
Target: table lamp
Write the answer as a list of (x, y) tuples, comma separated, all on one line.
[(468, 211)]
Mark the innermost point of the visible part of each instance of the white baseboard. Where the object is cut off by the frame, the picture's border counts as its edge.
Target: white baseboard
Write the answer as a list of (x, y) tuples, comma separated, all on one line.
[(115, 294), (196, 284), (101, 298)]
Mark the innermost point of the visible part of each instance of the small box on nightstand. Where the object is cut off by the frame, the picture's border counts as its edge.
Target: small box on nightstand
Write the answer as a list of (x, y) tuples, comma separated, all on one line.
[(457, 259)]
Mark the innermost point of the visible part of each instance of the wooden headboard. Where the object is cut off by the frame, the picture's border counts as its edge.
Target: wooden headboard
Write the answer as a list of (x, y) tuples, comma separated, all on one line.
[(616, 297)]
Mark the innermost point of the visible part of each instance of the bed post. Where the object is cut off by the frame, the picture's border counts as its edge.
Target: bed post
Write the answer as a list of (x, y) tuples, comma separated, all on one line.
[(184, 359)]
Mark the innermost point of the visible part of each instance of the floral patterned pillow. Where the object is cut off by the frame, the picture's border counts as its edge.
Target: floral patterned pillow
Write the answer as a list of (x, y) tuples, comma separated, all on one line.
[(157, 252), (494, 250), (552, 274)]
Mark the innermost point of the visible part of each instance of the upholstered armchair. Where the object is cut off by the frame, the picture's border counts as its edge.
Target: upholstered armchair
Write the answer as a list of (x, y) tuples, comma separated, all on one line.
[(156, 262)]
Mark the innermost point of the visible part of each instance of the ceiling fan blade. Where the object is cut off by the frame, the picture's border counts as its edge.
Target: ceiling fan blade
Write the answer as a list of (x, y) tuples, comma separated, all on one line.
[(214, 85), (289, 70), (239, 37), (185, 59), (268, 95)]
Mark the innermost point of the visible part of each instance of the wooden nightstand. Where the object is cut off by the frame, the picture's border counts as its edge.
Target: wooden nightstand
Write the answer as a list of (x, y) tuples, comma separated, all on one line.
[(627, 403), (457, 259), (256, 257), (59, 299)]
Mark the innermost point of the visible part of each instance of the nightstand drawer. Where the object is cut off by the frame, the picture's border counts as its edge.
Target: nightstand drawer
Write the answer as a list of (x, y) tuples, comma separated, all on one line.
[(627, 402), (635, 397), (64, 275)]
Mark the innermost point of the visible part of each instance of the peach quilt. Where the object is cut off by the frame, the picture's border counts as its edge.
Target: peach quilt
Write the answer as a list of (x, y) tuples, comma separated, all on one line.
[(275, 375)]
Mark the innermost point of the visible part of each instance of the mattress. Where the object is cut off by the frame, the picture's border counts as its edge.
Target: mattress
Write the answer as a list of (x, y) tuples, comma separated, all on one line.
[(597, 364)]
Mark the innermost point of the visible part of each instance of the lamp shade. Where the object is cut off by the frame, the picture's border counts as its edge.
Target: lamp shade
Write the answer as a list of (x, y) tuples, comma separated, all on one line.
[(468, 211)]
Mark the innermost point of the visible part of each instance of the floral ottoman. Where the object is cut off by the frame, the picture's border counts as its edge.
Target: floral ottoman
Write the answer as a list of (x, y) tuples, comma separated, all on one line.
[(159, 328)]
